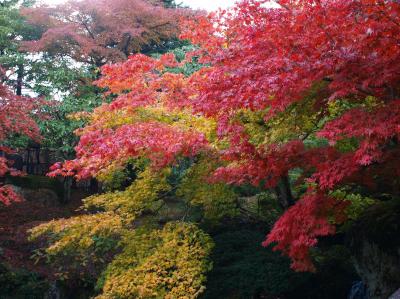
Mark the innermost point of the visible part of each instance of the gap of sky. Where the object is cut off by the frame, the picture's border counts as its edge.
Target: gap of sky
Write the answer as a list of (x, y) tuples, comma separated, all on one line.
[(208, 5)]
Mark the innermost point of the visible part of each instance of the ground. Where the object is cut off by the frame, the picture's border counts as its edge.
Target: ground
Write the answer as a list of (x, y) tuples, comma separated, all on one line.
[(15, 220)]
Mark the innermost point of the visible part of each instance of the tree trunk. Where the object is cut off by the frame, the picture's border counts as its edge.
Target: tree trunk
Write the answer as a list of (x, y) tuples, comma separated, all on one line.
[(93, 186), (20, 77), (284, 193), (67, 189)]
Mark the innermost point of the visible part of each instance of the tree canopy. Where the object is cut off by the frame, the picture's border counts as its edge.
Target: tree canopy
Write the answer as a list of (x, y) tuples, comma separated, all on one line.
[(15, 118), (296, 103), (99, 31), (324, 73)]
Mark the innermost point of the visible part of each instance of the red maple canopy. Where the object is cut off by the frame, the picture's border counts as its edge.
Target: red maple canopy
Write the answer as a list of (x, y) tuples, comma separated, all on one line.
[(335, 64), (15, 118)]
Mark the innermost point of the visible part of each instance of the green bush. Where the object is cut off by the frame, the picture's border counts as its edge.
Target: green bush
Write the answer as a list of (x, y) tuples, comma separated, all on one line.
[(21, 284), (37, 182), (242, 268)]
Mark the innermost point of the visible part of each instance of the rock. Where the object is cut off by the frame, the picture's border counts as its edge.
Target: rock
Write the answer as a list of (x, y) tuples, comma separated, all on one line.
[(375, 246), (396, 295)]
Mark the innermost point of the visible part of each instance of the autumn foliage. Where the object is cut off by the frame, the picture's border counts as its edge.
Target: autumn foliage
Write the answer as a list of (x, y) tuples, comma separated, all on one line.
[(99, 31), (15, 118), (309, 85)]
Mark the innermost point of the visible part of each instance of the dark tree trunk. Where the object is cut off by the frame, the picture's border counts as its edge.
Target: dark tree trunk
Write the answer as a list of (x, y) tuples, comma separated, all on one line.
[(20, 77), (93, 186), (28, 161), (67, 189), (284, 193)]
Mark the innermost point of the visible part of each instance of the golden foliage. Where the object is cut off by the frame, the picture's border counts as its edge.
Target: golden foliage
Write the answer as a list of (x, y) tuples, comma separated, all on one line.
[(82, 239), (168, 263), (142, 194)]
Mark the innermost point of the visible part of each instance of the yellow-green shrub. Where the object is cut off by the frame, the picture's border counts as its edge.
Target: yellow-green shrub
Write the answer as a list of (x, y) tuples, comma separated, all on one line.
[(168, 263), (80, 242), (142, 194)]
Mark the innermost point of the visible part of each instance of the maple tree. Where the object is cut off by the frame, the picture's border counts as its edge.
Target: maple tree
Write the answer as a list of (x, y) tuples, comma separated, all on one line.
[(147, 194), (337, 56), (99, 31), (72, 40), (305, 86), (15, 118), (349, 48)]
